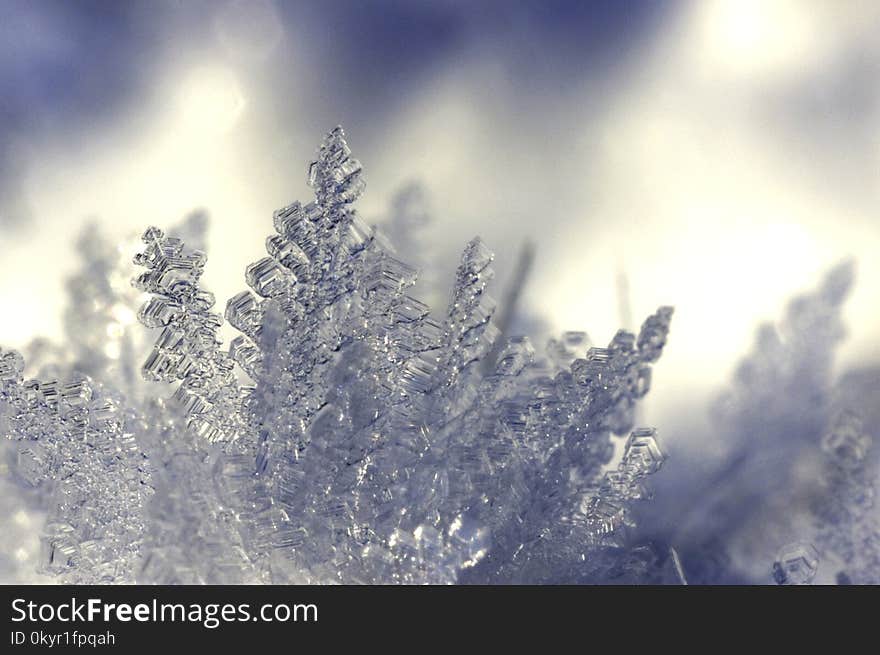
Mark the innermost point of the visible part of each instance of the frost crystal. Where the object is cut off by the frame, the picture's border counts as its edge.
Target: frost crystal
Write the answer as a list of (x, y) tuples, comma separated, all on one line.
[(796, 463), (795, 564), (78, 438), (847, 531), (346, 435)]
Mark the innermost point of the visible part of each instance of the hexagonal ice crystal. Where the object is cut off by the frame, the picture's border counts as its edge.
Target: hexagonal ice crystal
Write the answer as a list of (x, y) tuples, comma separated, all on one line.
[(795, 564)]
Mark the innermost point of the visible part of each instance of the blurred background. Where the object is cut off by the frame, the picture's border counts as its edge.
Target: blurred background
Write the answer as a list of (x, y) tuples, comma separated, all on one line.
[(715, 155)]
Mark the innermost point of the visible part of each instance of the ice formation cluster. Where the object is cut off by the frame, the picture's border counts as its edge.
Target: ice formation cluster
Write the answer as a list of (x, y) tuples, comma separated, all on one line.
[(346, 435), (781, 488)]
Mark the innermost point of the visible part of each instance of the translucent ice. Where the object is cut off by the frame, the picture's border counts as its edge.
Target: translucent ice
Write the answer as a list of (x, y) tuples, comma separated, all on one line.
[(346, 434)]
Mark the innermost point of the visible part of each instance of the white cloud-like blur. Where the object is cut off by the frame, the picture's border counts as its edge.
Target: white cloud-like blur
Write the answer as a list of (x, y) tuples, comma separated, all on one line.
[(723, 167)]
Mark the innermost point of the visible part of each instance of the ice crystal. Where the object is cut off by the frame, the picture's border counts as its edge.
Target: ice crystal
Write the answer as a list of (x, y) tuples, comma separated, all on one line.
[(795, 469), (79, 437), (346, 434), (796, 564), (406, 225), (847, 533)]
